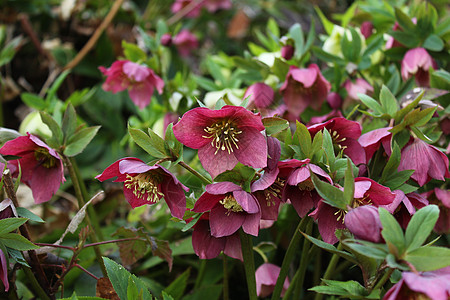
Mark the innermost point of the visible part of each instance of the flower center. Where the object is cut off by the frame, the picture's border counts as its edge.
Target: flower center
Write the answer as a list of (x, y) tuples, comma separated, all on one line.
[(44, 158), (231, 204), (357, 202), (340, 213), (337, 140), (144, 185), (274, 191), (306, 185), (223, 135)]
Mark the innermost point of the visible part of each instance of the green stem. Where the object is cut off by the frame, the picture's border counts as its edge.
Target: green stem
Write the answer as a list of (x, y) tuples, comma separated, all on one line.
[(194, 172), (35, 284), (330, 269), (298, 284), (383, 280), (288, 257), (226, 294), (71, 166), (201, 274), (249, 263)]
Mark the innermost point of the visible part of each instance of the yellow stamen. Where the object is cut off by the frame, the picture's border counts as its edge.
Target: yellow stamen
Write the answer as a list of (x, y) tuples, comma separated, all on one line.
[(145, 184), (44, 158), (231, 204), (223, 136)]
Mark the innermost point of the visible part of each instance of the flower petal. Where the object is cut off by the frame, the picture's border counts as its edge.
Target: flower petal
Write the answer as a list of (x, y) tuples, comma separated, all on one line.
[(223, 223)]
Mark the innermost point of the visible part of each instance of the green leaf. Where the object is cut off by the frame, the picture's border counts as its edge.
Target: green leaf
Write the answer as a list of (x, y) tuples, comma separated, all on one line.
[(404, 111), (404, 21), (55, 86), (371, 103), (429, 258), (16, 255), (132, 291), (420, 226), (329, 149), (153, 145), (349, 184), (57, 134), (8, 52), (33, 101), (330, 248), (69, 122), (177, 287), (351, 49), (304, 139), (327, 25), (368, 251), (433, 43), (440, 79), (133, 52), (396, 179), (388, 101), (296, 34), (25, 213), (330, 194), (392, 233), (274, 125), (173, 146), (9, 224), (346, 289), (16, 241), (392, 164), (78, 142)]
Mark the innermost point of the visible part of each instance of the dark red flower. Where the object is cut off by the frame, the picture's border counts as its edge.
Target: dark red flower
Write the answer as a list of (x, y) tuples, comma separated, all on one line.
[(261, 95), (231, 208), (4, 271), (364, 222), (441, 198), (287, 51), (366, 29), (418, 62), (304, 88), (144, 184), (372, 140), (42, 168), (223, 137), (404, 206), (426, 160)]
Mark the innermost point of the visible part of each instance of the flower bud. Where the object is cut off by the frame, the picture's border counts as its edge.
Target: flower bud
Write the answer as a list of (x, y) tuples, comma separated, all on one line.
[(287, 52), (166, 40), (364, 222), (334, 100)]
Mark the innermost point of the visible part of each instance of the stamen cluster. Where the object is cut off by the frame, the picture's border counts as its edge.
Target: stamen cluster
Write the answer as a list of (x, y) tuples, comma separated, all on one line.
[(223, 135), (144, 184)]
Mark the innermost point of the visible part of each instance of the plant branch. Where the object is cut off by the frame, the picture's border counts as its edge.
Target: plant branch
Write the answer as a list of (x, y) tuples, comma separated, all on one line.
[(194, 172)]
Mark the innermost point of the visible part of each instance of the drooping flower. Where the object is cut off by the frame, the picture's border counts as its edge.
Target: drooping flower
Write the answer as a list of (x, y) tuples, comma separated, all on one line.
[(372, 140), (367, 192), (166, 40), (287, 52), (366, 29), (334, 100), (304, 88), (42, 167), (418, 62), (144, 184), (266, 278), (434, 285), (194, 10), (404, 206), (207, 246), (359, 86), (441, 198), (426, 160), (185, 42), (139, 80), (298, 187), (4, 270), (345, 134), (231, 208), (223, 137), (261, 95), (364, 222)]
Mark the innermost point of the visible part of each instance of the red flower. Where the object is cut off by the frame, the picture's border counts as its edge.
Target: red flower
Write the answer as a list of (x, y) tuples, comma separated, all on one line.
[(372, 140), (4, 271), (404, 206), (442, 199), (303, 88), (266, 278), (418, 62), (223, 137), (231, 208), (426, 160), (261, 95), (364, 222), (360, 86), (42, 168), (185, 42), (144, 184), (194, 11), (138, 79), (207, 246)]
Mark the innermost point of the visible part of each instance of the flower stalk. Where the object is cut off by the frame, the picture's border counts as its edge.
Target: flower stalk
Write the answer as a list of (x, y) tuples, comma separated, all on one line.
[(249, 263)]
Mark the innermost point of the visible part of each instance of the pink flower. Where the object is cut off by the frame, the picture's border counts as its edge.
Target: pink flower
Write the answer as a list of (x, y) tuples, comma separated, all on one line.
[(4, 271), (345, 135), (426, 160), (261, 95), (372, 140), (42, 168), (418, 62), (367, 192), (442, 199), (366, 29), (223, 137), (207, 246), (287, 51), (334, 100), (364, 222), (194, 11), (138, 79), (298, 188), (185, 42), (434, 285), (144, 184), (166, 40), (231, 208), (304, 88), (266, 278), (360, 86), (215, 5), (404, 206)]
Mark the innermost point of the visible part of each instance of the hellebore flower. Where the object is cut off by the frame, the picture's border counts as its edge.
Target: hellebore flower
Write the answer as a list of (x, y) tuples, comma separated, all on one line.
[(138, 79), (367, 192), (360, 86), (261, 95), (42, 168), (207, 246), (215, 5), (231, 208), (404, 206), (417, 62), (442, 199), (287, 51), (266, 278), (4, 270), (185, 42), (299, 188), (223, 137), (426, 160), (144, 184), (364, 222), (166, 39), (303, 88), (372, 140), (345, 135), (334, 100), (366, 29), (434, 285), (194, 12)]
